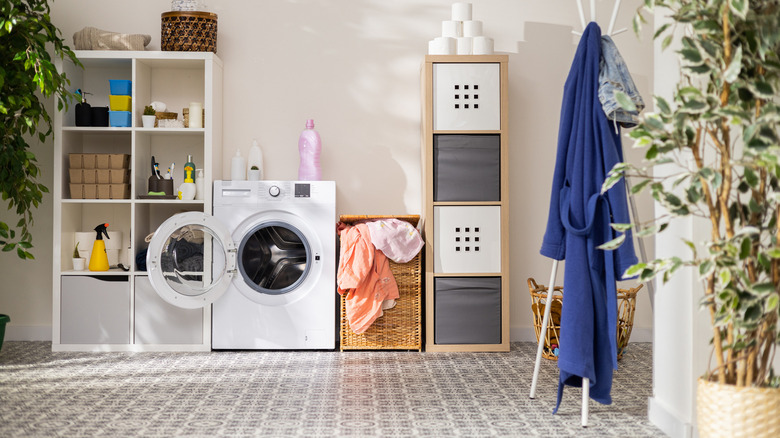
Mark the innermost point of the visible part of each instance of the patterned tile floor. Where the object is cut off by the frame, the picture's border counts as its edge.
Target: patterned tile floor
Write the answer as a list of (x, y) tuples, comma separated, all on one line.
[(309, 394)]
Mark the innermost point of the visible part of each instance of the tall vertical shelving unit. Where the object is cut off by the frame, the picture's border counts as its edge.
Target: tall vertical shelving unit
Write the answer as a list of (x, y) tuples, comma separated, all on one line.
[(466, 202), (118, 310)]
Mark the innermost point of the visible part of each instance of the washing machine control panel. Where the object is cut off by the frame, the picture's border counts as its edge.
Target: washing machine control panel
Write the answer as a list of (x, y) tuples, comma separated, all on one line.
[(254, 192)]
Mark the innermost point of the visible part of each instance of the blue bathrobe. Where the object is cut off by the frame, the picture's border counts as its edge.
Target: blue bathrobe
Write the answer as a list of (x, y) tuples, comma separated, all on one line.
[(579, 221)]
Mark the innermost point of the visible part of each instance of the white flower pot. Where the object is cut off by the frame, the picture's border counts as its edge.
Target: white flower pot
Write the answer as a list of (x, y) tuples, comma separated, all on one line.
[(253, 174), (79, 264), (148, 121)]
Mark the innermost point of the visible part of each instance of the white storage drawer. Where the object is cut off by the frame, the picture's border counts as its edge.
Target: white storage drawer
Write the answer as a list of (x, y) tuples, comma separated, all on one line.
[(467, 239), (157, 322), (466, 97), (95, 310)]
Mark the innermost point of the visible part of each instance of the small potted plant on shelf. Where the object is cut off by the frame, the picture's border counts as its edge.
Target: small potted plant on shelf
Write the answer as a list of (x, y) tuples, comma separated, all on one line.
[(78, 262), (253, 174), (149, 117)]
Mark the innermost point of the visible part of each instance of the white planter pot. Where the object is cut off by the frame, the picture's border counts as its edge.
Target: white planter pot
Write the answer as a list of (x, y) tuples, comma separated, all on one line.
[(79, 264), (148, 121), (253, 175)]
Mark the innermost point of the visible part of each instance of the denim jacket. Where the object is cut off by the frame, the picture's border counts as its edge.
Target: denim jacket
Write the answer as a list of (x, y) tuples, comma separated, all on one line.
[(614, 76)]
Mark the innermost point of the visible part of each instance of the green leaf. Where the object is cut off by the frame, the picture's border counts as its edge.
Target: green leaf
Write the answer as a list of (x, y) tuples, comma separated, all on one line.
[(625, 102), (739, 8), (612, 244), (635, 269), (744, 248), (751, 177), (771, 303), (663, 105), (732, 72), (724, 277), (621, 227), (706, 268), (638, 187)]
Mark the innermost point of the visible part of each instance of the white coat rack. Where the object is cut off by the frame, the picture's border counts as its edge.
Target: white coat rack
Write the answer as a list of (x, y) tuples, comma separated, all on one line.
[(554, 271)]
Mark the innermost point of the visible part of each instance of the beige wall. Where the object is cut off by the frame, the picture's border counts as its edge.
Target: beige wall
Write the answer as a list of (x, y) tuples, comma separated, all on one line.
[(354, 67)]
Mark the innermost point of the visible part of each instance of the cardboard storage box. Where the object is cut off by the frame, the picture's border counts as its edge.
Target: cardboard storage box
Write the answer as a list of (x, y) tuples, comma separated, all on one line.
[(103, 191), (112, 161), (113, 176), (90, 191), (82, 161), (76, 176), (113, 191), (77, 191), (118, 161), (120, 191)]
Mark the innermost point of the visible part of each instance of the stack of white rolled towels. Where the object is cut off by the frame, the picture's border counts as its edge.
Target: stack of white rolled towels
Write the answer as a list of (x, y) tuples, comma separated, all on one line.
[(461, 35)]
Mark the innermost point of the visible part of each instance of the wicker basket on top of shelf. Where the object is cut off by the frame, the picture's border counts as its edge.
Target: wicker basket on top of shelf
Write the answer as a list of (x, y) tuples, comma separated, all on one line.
[(188, 31), (400, 328), (626, 308)]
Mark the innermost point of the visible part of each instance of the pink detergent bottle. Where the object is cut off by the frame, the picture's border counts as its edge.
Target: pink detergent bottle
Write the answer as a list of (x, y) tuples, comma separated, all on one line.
[(309, 147)]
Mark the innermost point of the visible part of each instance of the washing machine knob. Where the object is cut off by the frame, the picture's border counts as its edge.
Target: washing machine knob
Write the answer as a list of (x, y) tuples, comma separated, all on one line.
[(274, 191)]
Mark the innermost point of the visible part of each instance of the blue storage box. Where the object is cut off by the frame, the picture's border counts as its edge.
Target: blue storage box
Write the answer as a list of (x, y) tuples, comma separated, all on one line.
[(119, 118), (121, 87)]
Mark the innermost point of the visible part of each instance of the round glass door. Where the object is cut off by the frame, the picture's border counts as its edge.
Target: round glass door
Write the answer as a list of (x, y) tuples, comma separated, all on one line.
[(189, 260), (274, 258)]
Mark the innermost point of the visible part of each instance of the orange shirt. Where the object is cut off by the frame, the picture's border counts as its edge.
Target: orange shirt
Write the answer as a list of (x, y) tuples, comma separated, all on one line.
[(364, 275)]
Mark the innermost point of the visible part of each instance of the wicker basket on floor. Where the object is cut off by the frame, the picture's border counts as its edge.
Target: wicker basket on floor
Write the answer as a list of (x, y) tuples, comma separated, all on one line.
[(538, 300), (626, 308), (400, 328)]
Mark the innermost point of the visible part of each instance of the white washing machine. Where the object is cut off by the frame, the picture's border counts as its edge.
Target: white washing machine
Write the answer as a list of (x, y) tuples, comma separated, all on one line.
[(266, 259)]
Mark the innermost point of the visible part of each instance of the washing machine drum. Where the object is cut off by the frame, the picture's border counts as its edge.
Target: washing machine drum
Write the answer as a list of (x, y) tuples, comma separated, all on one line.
[(274, 258)]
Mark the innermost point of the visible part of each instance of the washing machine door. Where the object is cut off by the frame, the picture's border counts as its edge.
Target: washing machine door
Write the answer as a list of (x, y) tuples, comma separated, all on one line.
[(191, 260)]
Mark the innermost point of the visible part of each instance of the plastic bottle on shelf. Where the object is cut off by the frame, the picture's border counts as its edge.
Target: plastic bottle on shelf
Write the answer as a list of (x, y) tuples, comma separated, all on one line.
[(255, 162), (191, 166), (309, 148), (199, 185), (238, 167), (187, 189)]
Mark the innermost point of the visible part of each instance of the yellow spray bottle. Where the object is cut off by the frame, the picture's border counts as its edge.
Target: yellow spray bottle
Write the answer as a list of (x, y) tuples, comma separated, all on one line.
[(98, 261)]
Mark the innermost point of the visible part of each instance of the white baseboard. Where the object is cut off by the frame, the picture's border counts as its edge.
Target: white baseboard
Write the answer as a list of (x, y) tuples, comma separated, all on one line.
[(28, 333), (526, 334), (667, 421)]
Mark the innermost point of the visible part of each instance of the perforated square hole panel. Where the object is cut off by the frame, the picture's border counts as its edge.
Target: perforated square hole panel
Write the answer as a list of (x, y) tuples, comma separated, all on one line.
[(467, 239), (466, 97)]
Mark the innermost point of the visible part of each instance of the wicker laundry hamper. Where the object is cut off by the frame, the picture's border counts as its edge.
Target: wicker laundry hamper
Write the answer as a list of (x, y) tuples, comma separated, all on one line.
[(400, 328), (626, 309)]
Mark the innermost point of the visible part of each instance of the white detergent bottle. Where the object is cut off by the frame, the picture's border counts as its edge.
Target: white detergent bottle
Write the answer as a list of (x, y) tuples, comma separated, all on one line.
[(199, 185), (309, 147), (187, 189), (238, 167), (255, 162)]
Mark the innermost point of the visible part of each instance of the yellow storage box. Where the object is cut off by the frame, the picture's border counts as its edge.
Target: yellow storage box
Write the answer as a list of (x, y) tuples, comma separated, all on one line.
[(120, 103)]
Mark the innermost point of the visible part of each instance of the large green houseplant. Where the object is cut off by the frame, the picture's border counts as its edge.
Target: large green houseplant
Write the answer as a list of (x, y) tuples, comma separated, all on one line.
[(27, 77), (717, 148)]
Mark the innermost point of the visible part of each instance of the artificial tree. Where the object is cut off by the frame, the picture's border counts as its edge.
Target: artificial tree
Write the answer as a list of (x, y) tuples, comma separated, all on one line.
[(718, 146), (27, 78)]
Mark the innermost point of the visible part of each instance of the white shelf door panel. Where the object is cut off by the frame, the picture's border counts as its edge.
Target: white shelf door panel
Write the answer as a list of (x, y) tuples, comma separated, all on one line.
[(466, 97), (468, 239)]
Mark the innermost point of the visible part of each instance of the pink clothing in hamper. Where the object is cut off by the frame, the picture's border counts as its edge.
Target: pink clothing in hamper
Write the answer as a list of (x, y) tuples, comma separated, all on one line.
[(397, 239), (364, 275)]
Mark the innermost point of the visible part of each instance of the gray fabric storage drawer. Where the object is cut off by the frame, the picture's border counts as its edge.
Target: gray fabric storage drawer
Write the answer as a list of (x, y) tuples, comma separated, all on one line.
[(466, 167), (467, 310)]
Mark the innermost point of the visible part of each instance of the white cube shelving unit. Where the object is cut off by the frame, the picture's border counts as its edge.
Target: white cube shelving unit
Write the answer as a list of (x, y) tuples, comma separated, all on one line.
[(139, 320)]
